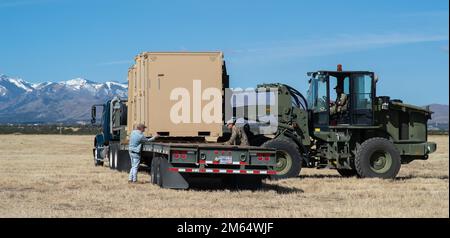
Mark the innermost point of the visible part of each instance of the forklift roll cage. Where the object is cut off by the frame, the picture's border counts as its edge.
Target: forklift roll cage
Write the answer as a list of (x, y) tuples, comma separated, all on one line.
[(355, 119)]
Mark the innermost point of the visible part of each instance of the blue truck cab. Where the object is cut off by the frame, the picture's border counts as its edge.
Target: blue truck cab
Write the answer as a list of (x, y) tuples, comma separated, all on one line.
[(103, 139)]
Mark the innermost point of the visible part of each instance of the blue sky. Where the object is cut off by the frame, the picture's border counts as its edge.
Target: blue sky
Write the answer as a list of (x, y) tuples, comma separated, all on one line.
[(405, 42)]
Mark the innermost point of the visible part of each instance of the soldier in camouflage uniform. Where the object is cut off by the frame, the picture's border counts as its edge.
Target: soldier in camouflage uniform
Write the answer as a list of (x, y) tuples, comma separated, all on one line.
[(340, 105), (238, 135)]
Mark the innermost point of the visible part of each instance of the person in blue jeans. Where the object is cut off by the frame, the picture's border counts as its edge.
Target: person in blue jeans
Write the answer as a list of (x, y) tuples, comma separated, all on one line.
[(136, 139)]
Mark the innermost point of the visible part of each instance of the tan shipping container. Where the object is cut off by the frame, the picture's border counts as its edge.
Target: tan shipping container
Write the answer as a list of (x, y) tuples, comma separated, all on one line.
[(155, 75)]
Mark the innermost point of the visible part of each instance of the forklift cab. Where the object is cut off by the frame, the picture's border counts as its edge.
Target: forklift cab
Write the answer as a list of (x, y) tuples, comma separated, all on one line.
[(328, 88)]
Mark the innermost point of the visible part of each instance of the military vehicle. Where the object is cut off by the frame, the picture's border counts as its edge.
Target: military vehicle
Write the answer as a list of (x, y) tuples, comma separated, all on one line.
[(368, 136)]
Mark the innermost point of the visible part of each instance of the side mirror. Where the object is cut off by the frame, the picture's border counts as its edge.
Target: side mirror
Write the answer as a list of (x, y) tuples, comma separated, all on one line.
[(375, 78), (93, 114)]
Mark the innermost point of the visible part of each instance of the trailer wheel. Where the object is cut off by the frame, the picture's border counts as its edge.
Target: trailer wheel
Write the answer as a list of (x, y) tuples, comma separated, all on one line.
[(347, 173), (155, 172), (377, 158), (289, 159)]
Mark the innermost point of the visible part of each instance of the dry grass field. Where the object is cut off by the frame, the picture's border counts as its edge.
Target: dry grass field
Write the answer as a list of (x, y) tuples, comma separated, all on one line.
[(54, 176)]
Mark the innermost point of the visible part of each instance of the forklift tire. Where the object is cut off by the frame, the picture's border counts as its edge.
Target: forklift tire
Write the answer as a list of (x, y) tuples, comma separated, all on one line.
[(377, 158), (347, 173), (290, 159)]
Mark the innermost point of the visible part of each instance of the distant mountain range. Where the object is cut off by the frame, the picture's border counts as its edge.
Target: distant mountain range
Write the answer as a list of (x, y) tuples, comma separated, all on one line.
[(70, 101), (48, 102), (440, 113), (439, 118)]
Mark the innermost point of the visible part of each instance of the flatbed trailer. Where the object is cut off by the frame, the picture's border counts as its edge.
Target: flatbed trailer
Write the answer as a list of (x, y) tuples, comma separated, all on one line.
[(172, 165)]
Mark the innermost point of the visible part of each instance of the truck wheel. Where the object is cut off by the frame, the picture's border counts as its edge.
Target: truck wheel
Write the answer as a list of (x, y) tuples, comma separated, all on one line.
[(155, 173), (111, 157), (289, 159), (347, 173), (377, 158)]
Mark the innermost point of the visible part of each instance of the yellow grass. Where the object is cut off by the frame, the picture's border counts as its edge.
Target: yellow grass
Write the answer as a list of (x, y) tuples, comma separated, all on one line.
[(54, 176)]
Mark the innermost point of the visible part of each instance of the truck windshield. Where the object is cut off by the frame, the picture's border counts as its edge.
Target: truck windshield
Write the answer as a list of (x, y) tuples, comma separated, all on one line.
[(317, 93)]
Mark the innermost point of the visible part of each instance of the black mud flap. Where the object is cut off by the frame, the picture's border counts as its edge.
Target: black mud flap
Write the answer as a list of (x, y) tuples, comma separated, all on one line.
[(123, 161), (171, 179)]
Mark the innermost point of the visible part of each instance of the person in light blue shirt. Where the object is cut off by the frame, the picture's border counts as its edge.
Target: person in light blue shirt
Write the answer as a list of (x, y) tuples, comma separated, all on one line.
[(136, 139)]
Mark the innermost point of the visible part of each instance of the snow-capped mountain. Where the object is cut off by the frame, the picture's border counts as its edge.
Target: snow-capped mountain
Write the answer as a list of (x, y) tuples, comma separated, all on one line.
[(12, 86), (65, 101)]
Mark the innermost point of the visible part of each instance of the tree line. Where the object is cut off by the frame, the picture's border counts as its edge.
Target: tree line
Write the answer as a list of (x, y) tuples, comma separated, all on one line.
[(50, 129)]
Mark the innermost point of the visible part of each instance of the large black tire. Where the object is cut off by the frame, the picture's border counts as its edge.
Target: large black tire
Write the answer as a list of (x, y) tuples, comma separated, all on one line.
[(289, 158), (377, 158), (347, 173), (155, 173)]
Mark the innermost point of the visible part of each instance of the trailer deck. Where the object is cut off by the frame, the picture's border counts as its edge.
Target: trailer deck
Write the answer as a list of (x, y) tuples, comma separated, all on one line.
[(213, 157)]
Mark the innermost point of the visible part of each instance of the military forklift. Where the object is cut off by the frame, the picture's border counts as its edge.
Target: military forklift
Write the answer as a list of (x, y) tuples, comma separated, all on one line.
[(370, 137)]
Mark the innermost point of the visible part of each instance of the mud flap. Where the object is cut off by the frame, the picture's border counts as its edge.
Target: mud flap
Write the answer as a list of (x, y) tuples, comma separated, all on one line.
[(171, 179), (123, 161)]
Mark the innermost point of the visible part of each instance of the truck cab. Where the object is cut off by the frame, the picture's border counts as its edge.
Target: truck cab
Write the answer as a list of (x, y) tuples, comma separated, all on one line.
[(353, 126), (112, 122), (359, 90)]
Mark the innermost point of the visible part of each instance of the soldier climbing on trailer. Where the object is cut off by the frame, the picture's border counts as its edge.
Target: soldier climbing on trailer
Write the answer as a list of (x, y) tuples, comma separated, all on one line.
[(238, 134)]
